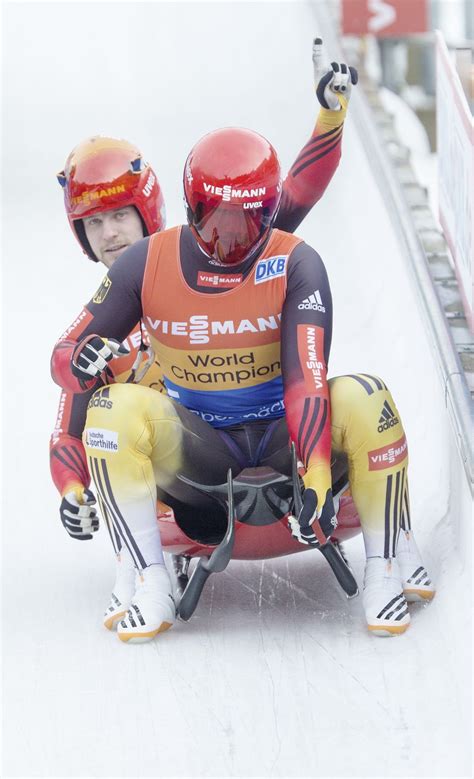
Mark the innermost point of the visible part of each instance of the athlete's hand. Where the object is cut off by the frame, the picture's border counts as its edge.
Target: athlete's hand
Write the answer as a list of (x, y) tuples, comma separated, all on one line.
[(315, 524), (90, 357), (332, 83), (78, 515)]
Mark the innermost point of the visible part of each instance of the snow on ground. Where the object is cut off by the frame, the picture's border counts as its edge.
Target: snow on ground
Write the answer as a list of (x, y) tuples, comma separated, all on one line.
[(275, 675)]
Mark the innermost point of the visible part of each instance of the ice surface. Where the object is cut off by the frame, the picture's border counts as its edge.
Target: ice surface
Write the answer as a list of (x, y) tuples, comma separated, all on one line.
[(276, 674)]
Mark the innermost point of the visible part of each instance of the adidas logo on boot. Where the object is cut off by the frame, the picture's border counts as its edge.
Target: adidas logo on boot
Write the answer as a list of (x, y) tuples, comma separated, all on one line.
[(152, 609), (386, 609), (123, 591), (417, 583)]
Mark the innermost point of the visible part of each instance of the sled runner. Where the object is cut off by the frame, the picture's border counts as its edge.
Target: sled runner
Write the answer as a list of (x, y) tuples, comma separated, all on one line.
[(258, 498)]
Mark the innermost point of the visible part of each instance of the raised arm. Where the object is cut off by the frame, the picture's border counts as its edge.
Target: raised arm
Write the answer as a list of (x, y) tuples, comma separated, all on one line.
[(315, 165)]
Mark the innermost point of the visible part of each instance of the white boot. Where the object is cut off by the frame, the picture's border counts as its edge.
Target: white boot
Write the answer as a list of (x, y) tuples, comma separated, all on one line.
[(152, 609), (386, 609), (417, 583), (122, 592)]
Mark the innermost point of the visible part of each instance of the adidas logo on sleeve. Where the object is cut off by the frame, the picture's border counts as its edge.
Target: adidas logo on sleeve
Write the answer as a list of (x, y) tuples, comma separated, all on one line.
[(312, 303), (387, 418)]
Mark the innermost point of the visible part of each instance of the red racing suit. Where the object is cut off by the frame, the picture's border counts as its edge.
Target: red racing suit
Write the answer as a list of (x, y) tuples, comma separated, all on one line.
[(304, 185), (253, 346)]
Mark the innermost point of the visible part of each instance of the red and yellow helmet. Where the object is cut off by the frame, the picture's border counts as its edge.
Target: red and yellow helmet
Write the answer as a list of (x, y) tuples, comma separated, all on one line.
[(232, 189), (105, 173)]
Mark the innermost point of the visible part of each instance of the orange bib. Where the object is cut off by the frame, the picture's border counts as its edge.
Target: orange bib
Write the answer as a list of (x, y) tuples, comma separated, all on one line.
[(220, 353)]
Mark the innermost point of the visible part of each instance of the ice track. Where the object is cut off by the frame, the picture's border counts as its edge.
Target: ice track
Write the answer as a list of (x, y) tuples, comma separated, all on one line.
[(275, 675)]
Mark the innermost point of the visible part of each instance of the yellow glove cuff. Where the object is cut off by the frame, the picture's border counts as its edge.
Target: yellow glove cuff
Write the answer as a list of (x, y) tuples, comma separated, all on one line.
[(328, 119), (318, 478), (76, 487)]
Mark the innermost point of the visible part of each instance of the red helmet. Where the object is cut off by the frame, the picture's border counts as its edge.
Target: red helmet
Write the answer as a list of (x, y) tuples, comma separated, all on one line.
[(232, 188), (105, 173)]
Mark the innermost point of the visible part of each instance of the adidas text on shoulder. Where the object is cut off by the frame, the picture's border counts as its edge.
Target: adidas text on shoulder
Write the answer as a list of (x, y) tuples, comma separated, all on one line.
[(313, 303)]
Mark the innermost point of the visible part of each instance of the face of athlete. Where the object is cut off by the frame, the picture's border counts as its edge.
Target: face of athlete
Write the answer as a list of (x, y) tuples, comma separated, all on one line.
[(111, 232)]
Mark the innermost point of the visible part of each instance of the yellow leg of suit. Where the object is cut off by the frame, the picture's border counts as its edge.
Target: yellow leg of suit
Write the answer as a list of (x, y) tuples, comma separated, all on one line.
[(137, 438), (367, 427), (120, 439)]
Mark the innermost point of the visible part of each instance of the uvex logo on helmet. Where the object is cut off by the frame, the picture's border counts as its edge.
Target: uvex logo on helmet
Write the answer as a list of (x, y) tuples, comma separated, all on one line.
[(148, 188), (102, 174), (232, 189)]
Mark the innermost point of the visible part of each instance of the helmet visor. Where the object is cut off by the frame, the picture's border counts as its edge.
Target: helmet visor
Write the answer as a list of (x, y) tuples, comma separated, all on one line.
[(230, 232)]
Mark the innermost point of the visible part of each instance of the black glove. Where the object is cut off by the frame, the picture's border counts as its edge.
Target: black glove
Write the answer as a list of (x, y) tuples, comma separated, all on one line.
[(90, 357), (314, 526), (332, 81), (78, 515)]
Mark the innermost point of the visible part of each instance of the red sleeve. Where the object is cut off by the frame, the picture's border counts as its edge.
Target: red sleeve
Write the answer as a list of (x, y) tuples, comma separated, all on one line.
[(68, 462), (63, 352), (307, 401), (306, 340), (312, 170)]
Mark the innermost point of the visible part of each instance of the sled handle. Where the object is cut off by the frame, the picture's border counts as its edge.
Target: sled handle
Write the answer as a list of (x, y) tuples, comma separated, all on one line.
[(341, 570), (193, 591), (297, 499), (216, 563)]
